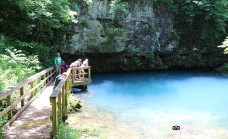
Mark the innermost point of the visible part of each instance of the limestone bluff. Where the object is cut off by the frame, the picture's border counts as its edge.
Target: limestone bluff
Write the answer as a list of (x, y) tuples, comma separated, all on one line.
[(128, 36)]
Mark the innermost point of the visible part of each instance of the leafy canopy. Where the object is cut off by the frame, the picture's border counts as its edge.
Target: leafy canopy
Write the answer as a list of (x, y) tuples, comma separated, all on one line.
[(36, 20)]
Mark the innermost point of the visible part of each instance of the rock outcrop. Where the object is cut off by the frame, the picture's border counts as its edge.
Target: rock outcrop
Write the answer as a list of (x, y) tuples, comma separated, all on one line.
[(129, 35)]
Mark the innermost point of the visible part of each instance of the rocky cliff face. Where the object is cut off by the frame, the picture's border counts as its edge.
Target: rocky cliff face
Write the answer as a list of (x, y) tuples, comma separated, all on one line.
[(126, 36), (108, 27)]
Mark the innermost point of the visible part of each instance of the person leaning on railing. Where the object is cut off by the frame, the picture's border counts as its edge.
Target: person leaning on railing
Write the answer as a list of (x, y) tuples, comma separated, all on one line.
[(84, 64), (58, 79), (75, 65)]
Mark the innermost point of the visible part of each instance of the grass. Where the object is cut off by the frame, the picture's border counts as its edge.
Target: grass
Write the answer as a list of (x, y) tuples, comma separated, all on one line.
[(66, 132)]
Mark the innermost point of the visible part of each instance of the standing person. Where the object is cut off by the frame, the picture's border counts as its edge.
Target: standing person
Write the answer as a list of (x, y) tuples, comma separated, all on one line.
[(58, 61)]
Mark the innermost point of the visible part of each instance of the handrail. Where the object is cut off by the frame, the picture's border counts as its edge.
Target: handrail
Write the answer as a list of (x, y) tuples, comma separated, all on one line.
[(10, 90), (60, 85), (87, 73), (6, 94), (58, 98), (60, 94)]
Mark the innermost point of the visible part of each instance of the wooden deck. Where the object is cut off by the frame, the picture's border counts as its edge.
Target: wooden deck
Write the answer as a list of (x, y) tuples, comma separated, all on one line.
[(81, 82)]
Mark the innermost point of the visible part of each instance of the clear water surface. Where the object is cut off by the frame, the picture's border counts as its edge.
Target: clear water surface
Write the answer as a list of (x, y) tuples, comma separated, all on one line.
[(197, 101)]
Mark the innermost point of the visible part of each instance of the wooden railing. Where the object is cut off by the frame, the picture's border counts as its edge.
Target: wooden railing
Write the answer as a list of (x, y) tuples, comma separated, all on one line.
[(58, 101), (47, 74), (87, 72), (58, 98)]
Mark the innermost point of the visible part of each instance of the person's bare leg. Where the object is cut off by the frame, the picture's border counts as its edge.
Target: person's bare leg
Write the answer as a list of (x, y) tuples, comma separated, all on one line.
[(75, 72), (83, 74), (81, 71), (79, 76)]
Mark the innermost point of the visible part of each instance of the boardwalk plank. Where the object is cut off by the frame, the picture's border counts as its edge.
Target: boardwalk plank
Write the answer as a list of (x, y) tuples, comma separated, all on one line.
[(34, 122)]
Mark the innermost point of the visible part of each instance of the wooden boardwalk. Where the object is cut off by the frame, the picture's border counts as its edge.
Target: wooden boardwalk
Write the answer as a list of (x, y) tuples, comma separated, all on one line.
[(34, 122), (38, 117)]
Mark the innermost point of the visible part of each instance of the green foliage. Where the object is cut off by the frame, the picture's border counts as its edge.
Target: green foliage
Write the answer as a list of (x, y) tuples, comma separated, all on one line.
[(151, 26), (223, 68), (136, 61), (84, 23), (3, 120), (149, 56), (16, 66), (36, 21), (118, 5), (65, 132), (168, 4), (175, 35), (202, 22), (197, 22), (225, 45), (119, 10), (158, 29), (44, 53), (35, 27), (95, 47)]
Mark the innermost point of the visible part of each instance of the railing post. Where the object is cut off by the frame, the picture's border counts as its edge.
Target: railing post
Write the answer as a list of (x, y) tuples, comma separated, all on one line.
[(59, 106), (72, 75), (39, 80), (8, 104), (67, 90), (32, 85), (89, 74), (54, 117), (22, 90), (47, 74), (44, 79), (51, 75), (70, 83), (63, 99)]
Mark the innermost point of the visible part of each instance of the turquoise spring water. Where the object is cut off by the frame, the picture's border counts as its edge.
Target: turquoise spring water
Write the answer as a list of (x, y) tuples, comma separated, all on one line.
[(190, 99)]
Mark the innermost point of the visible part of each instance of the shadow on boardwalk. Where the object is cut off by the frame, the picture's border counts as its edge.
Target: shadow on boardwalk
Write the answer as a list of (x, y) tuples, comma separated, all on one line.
[(35, 121)]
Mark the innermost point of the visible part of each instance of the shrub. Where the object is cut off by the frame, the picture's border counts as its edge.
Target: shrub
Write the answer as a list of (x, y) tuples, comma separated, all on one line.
[(16, 66)]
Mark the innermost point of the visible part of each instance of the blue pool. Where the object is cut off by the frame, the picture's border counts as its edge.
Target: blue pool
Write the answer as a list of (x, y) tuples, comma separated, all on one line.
[(194, 100)]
